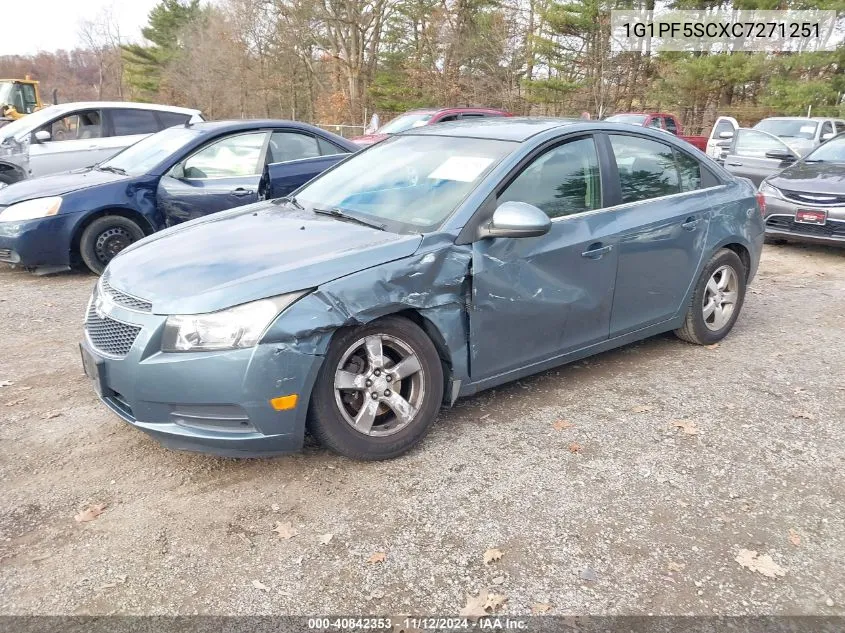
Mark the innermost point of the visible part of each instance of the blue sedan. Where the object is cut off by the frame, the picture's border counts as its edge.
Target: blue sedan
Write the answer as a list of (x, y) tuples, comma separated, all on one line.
[(440, 262), (178, 174)]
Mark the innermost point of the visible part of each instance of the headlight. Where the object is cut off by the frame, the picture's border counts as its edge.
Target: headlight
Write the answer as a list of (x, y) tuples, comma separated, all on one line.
[(31, 209), (767, 190), (235, 328)]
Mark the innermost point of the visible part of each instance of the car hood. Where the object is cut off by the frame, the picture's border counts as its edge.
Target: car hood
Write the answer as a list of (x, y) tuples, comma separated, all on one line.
[(250, 253), (55, 185), (811, 178)]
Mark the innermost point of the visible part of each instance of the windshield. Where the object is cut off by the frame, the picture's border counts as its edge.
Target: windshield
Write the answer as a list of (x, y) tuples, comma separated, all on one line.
[(140, 158), (405, 122), (30, 122), (410, 183), (831, 152), (789, 128), (632, 119)]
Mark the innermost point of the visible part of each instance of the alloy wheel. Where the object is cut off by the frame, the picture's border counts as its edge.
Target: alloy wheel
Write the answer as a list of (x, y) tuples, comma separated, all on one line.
[(379, 385), (720, 297)]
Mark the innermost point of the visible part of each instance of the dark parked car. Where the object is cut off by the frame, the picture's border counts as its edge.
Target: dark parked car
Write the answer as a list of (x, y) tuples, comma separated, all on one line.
[(430, 266), (806, 202), (178, 174)]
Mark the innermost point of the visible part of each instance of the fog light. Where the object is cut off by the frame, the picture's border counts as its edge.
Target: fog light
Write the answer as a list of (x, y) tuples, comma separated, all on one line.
[(284, 403)]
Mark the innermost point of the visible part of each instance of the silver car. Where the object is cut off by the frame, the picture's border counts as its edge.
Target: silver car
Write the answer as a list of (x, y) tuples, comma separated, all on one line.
[(73, 135)]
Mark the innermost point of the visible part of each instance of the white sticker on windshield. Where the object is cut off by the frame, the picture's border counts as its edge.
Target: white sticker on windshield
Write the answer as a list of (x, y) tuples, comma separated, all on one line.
[(808, 129), (461, 168)]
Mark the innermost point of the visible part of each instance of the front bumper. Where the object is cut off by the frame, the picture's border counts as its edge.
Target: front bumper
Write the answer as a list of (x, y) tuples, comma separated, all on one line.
[(212, 402), (41, 242), (780, 222)]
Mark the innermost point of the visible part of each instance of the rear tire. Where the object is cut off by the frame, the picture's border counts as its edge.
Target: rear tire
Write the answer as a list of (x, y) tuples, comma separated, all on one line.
[(104, 238), (716, 301), (378, 391)]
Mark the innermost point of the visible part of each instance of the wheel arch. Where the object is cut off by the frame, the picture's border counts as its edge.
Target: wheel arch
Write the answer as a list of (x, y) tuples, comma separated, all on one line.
[(129, 214), (11, 168), (743, 253)]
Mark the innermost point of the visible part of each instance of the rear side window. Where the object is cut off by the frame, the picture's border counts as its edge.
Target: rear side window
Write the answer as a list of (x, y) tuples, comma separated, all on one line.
[(827, 128), (130, 122), (689, 171), (670, 124), (328, 148), (169, 119), (722, 126), (289, 145), (646, 168), (840, 126)]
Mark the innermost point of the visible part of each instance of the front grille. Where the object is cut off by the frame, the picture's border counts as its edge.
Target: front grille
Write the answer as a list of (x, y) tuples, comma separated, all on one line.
[(126, 300), (109, 336), (818, 199), (833, 228)]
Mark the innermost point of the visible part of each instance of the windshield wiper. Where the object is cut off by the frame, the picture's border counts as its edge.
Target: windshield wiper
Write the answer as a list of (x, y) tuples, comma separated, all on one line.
[(289, 200), (114, 170), (814, 160), (337, 213)]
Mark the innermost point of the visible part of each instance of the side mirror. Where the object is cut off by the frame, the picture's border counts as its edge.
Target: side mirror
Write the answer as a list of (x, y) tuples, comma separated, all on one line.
[(723, 143), (781, 154), (516, 219), (42, 136), (726, 134), (178, 171), (827, 136)]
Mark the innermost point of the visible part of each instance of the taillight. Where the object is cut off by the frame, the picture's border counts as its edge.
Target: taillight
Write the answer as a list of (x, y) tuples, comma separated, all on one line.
[(761, 202)]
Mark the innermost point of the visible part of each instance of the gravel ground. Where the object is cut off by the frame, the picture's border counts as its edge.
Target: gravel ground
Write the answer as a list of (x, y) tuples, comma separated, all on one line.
[(620, 513)]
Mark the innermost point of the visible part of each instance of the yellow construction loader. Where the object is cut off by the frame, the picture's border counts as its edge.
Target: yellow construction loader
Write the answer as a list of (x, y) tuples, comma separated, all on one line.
[(18, 97)]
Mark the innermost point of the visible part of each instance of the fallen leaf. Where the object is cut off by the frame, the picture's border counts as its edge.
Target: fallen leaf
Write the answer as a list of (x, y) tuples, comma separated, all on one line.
[(476, 606), (562, 425), (90, 513), (498, 580), (761, 564), (713, 346), (50, 415), (260, 585), (642, 408), (325, 539), (575, 447), (491, 555), (539, 608), (6, 383), (378, 557), (672, 566), (495, 600), (794, 538), (24, 388), (688, 426), (803, 415), (285, 530)]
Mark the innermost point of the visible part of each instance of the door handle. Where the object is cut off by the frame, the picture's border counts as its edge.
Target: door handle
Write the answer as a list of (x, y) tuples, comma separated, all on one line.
[(595, 251), (690, 224), (240, 191), (735, 164)]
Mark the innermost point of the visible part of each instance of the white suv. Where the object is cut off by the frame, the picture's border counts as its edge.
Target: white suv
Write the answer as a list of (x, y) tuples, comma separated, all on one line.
[(73, 135)]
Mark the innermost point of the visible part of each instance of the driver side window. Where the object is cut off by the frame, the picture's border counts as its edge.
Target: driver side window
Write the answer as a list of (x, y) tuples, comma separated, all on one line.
[(79, 125), (233, 156), (562, 181)]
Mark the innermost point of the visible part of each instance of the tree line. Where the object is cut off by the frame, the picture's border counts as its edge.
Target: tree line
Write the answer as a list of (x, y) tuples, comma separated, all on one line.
[(338, 61)]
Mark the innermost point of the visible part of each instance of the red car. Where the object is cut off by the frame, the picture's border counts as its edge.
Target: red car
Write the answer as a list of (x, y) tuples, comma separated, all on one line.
[(426, 116), (661, 121)]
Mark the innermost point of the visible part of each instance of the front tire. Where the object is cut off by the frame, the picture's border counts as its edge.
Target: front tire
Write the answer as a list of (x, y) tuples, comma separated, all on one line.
[(716, 301), (104, 238), (378, 391)]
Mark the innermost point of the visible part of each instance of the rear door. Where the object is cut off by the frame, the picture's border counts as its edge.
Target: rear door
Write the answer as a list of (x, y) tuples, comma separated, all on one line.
[(75, 141), (723, 131), (755, 155), (297, 157), (221, 175), (662, 222), (538, 298)]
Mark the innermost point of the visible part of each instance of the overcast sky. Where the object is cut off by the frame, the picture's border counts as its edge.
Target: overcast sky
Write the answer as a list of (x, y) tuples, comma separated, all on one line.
[(31, 26)]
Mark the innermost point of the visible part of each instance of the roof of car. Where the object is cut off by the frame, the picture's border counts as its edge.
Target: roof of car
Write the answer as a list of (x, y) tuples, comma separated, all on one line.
[(453, 109), (801, 118), (251, 124), (78, 105), (499, 128)]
